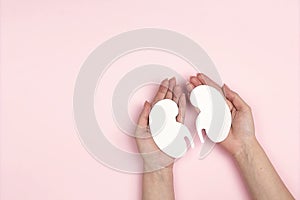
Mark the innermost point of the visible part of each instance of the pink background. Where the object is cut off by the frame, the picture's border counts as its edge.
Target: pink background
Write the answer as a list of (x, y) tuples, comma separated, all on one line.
[(254, 44)]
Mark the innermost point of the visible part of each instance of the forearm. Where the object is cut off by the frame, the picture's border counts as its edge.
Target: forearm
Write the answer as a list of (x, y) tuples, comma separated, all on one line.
[(259, 174), (158, 185)]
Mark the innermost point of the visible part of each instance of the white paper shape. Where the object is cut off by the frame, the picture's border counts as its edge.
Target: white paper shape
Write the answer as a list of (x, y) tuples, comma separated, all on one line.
[(214, 116), (168, 134)]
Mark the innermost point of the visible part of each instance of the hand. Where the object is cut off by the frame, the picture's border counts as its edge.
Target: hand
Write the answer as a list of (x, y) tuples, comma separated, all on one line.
[(155, 159), (242, 128)]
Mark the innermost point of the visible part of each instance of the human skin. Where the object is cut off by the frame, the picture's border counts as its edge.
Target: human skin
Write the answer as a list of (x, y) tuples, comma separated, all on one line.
[(261, 179), (158, 176)]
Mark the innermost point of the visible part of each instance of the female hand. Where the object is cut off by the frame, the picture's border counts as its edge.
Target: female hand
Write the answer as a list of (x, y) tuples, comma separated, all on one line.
[(153, 157), (242, 131)]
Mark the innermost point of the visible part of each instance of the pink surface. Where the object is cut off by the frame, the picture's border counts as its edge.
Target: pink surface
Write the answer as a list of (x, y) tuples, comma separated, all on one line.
[(255, 46)]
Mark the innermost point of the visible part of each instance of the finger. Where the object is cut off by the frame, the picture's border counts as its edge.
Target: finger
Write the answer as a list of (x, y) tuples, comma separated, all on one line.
[(229, 104), (162, 91), (233, 111), (172, 83), (205, 80), (194, 80), (182, 108), (189, 87), (143, 118), (177, 93), (235, 99)]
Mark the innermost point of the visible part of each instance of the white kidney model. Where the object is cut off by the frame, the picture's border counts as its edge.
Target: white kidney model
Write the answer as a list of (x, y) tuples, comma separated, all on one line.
[(214, 116), (168, 134)]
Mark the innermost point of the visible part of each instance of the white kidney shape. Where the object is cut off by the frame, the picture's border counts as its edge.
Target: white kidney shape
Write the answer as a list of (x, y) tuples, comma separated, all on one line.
[(214, 116), (168, 134)]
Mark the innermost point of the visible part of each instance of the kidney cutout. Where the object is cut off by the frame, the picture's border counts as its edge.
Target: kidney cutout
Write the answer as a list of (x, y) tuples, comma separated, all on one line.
[(168, 134), (214, 116)]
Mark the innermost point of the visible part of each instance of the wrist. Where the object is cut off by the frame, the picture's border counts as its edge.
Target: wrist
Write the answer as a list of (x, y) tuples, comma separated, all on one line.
[(166, 171), (246, 149), (151, 165), (162, 176), (158, 184)]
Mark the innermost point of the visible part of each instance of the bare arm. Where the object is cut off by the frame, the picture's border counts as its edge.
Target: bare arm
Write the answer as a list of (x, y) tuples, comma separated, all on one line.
[(261, 179), (258, 172), (158, 185), (158, 168), (260, 176)]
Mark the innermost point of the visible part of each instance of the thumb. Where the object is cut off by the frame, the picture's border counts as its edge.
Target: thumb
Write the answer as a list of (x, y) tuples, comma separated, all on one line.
[(143, 119), (235, 99)]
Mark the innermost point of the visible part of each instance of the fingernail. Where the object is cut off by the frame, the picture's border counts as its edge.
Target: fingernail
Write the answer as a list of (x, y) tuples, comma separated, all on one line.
[(224, 89), (165, 82), (227, 87), (200, 74)]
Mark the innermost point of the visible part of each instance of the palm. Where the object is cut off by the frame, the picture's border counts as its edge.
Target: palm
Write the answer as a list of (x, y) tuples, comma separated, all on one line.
[(242, 126), (153, 157)]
